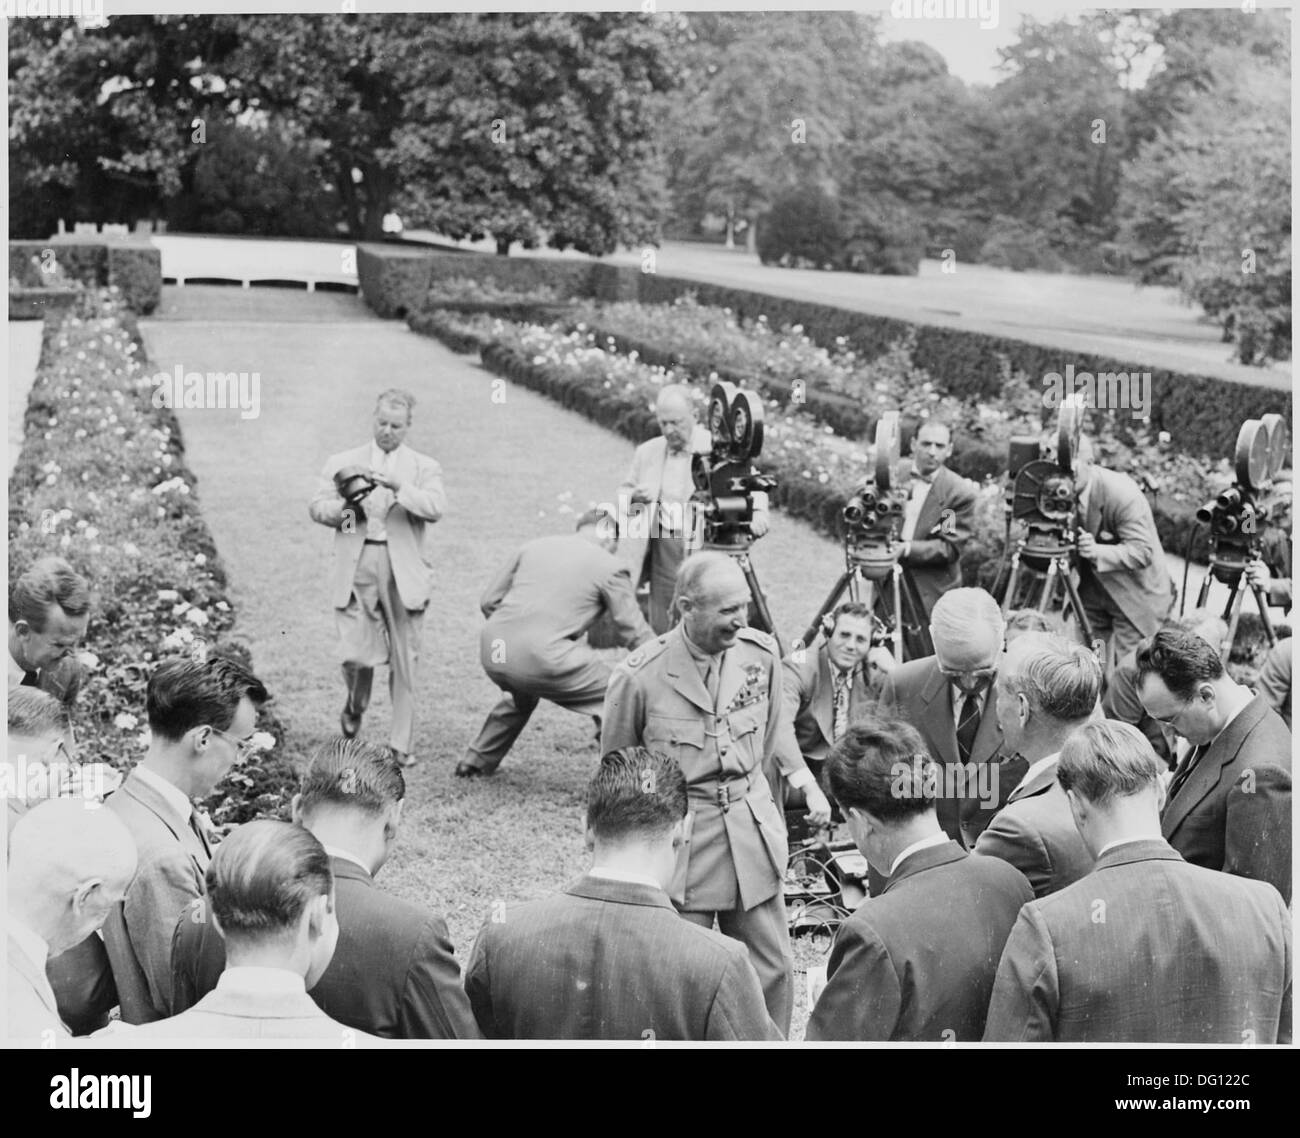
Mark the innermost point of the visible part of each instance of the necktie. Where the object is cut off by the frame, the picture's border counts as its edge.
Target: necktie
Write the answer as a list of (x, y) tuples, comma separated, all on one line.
[(968, 725), (841, 705), (1180, 775), (28, 680), (196, 824), (711, 679)]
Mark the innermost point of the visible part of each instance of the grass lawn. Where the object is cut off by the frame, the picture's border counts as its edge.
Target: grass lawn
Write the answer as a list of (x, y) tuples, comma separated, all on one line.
[(512, 470)]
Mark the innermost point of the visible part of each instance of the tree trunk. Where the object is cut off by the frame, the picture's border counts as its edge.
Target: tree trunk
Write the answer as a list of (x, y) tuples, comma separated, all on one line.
[(751, 237), (348, 192), (731, 226), (503, 246), (377, 186)]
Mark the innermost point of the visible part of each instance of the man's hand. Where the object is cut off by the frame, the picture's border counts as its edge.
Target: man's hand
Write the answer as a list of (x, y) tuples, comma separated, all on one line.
[(1257, 573), (881, 659), (819, 809), (1087, 545), (394, 484), (758, 526), (639, 495)]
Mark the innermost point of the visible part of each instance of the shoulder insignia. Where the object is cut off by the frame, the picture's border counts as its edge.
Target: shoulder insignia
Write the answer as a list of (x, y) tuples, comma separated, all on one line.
[(647, 651), (757, 636)]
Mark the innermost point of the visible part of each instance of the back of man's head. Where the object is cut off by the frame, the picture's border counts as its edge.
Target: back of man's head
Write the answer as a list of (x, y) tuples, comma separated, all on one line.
[(1209, 626), (49, 581), (636, 795), (69, 863), (967, 628), (1182, 660), (1107, 760), (35, 714), (351, 775), (262, 878), (882, 767), (1060, 680), (184, 694)]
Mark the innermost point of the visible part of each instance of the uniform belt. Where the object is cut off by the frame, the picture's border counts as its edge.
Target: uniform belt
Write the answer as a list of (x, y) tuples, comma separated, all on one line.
[(373, 541), (723, 792)]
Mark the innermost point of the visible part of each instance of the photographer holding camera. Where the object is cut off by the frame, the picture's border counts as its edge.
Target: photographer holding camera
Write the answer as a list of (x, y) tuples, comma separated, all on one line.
[(1272, 569), (1123, 581)]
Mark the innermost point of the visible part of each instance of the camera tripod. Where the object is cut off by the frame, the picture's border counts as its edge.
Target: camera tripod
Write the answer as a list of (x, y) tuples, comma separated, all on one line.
[(1233, 574), (1057, 555), (864, 580)]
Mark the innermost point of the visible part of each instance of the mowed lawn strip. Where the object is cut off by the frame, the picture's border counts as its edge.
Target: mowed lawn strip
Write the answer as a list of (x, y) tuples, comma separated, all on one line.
[(465, 845)]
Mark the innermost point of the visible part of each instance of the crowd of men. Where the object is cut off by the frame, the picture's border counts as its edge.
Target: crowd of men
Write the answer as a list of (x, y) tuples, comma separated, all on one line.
[(1062, 844)]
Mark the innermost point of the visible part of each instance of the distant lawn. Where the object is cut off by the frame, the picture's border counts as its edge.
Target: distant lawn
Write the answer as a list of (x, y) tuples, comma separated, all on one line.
[(513, 837)]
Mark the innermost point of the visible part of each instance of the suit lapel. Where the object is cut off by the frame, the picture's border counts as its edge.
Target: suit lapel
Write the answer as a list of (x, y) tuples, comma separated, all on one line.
[(731, 680), (1093, 520), (686, 676), (928, 518), (988, 739), (183, 832), (1037, 785), (824, 704), (1207, 773), (938, 721)]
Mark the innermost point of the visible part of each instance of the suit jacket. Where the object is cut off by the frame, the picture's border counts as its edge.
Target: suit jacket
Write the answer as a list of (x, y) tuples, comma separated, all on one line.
[(942, 529), (612, 960), (1130, 563), (656, 698), (1274, 681), (541, 603), (1234, 811), (647, 471), (1035, 832), (918, 693), (918, 961), (394, 972), (1120, 701), (1147, 949), (420, 501), (808, 694), (227, 1013), (32, 1009), (138, 932)]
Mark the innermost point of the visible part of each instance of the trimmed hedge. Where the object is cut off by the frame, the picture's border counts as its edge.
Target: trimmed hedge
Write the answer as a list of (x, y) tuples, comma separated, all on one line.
[(101, 481), (441, 327), (134, 267), (35, 303)]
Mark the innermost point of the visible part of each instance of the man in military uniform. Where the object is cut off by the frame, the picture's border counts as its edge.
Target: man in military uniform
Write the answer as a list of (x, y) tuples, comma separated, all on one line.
[(708, 693)]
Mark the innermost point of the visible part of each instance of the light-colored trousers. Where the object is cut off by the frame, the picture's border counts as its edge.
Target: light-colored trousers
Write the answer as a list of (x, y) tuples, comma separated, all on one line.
[(376, 628)]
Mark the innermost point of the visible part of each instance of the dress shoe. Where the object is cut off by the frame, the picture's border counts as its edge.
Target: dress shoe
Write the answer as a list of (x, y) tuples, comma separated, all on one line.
[(403, 758), (350, 724), (469, 770)]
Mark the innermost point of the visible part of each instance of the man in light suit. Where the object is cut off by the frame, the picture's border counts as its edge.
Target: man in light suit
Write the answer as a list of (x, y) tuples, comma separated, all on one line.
[(1047, 687), (394, 973), (609, 958), (69, 864), (917, 962), (1147, 948), (1229, 804), (827, 687), (938, 516), (49, 610), (538, 607), (272, 898), (951, 699), (382, 576), (1123, 581), (708, 694), (201, 720), (654, 496)]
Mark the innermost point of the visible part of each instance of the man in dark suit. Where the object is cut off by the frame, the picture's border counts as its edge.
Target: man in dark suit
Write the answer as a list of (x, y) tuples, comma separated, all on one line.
[(538, 607), (830, 685), (201, 720), (609, 958), (1146, 948), (1274, 680), (1229, 804), (1123, 581), (951, 699), (1047, 687), (394, 973), (938, 517), (917, 962)]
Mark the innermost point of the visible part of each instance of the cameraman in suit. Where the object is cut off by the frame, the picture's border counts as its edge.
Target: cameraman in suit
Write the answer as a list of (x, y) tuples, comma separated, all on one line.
[(383, 564), (1123, 581)]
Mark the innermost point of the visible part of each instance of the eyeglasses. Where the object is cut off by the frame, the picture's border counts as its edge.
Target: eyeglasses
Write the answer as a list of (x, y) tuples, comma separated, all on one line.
[(243, 747)]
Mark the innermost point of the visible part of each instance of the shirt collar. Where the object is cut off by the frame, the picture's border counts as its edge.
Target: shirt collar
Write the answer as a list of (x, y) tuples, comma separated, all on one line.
[(959, 697), (1035, 767), (346, 855), (1122, 842), (261, 981), (16, 672), (34, 946), (379, 459), (696, 651), (938, 839), (621, 875), (172, 794)]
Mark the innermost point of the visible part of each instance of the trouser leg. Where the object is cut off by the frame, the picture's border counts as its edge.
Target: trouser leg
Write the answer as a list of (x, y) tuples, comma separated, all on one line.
[(765, 932), (502, 727), (666, 554), (404, 629), (363, 642)]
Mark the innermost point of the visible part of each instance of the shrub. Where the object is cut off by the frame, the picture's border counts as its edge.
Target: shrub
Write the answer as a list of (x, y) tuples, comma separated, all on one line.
[(883, 236), (1014, 244), (803, 228), (135, 267), (137, 271)]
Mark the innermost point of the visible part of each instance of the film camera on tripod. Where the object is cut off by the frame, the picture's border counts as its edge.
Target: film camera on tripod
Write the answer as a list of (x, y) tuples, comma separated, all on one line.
[(872, 524), (1239, 518), (726, 481), (1043, 498)]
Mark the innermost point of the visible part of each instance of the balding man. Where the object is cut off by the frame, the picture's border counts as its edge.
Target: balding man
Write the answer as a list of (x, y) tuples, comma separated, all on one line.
[(708, 693), (1146, 948), (49, 609), (951, 699), (1047, 688), (383, 564), (654, 499), (1124, 584), (69, 864)]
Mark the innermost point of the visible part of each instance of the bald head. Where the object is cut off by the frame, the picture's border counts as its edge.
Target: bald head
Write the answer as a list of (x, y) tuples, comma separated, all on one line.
[(676, 416), (713, 599), (69, 864), (967, 629)]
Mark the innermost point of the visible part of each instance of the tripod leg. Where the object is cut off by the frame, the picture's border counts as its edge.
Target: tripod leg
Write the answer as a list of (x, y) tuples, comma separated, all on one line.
[(1073, 601), (898, 612), (1203, 594), (1012, 581), (1261, 599), (847, 581), (1049, 587), (760, 604), (1232, 614)]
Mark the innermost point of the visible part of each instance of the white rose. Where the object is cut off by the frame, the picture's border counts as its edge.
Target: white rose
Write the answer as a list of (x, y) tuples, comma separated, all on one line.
[(125, 721)]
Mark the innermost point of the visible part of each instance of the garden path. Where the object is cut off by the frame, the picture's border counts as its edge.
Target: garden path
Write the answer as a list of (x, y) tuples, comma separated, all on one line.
[(24, 354)]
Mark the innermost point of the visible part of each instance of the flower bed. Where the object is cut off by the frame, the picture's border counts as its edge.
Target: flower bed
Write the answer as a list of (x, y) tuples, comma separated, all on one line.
[(101, 481)]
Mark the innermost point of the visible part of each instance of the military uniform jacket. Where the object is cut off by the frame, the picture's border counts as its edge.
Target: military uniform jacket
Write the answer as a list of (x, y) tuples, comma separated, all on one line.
[(736, 853)]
